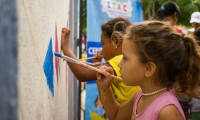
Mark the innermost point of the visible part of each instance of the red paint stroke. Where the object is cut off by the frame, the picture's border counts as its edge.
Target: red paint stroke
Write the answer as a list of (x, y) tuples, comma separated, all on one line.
[(56, 50)]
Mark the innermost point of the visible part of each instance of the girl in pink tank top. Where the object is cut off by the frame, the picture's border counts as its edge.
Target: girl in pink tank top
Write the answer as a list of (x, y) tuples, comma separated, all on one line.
[(163, 63), (153, 110)]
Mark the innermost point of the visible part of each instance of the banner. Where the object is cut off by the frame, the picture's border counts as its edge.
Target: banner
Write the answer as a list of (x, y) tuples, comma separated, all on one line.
[(98, 12)]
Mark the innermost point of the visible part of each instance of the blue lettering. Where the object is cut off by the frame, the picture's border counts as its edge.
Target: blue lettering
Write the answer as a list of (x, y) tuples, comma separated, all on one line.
[(93, 50)]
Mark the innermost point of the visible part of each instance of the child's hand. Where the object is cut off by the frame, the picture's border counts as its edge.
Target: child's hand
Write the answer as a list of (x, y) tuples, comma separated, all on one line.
[(104, 80), (95, 64), (98, 57), (65, 38)]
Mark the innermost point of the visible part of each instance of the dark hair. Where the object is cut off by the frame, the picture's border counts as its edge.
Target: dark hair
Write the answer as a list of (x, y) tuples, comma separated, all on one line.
[(167, 9), (197, 35), (176, 56), (115, 27)]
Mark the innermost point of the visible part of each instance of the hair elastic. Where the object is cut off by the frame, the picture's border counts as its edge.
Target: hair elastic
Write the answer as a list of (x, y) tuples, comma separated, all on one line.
[(183, 38), (163, 8)]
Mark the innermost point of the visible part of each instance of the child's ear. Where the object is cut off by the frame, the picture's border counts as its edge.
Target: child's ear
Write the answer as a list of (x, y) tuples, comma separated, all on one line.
[(117, 42), (150, 69)]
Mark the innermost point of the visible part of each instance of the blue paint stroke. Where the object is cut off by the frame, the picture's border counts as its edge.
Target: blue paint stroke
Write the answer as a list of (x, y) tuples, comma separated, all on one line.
[(48, 67)]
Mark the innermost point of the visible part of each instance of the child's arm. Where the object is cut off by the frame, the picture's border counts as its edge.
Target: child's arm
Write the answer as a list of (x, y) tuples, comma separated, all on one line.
[(113, 109), (81, 73)]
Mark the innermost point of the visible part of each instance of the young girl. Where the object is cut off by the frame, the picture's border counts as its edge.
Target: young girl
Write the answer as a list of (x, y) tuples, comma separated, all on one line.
[(111, 39), (159, 60), (169, 11)]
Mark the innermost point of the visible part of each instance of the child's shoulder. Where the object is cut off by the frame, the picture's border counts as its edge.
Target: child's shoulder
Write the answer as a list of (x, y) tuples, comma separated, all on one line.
[(168, 104), (170, 112)]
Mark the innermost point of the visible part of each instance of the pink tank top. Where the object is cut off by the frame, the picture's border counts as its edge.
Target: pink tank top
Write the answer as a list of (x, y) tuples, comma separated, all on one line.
[(153, 110)]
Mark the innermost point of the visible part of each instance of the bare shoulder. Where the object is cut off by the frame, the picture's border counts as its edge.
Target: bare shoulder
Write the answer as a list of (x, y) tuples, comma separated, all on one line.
[(170, 112)]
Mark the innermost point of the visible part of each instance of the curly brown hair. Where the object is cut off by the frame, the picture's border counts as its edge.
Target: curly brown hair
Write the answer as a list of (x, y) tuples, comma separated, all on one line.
[(117, 25), (177, 56)]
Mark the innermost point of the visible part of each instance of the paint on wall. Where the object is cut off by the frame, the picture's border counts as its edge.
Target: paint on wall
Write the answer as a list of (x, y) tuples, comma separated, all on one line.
[(48, 67), (56, 50), (41, 97)]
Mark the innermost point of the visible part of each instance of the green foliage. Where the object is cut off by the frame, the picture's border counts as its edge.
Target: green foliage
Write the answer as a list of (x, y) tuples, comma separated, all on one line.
[(187, 7), (84, 17)]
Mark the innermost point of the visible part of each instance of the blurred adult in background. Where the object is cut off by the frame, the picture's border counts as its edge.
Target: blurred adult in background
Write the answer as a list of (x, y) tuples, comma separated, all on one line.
[(169, 11), (197, 35), (195, 109), (195, 102), (195, 20)]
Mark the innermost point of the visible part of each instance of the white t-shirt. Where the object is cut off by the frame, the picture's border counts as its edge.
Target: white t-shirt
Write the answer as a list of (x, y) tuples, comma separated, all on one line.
[(195, 105)]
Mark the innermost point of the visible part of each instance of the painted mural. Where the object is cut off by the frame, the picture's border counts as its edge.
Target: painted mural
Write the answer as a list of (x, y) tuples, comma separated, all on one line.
[(42, 80), (48, 67)]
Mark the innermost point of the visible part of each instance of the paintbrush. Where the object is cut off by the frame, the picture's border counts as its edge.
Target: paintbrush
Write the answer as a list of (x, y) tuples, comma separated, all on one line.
[(83, 64), (86, 62)]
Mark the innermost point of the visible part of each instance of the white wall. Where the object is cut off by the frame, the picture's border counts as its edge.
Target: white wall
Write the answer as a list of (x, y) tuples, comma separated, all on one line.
[(37, 24)]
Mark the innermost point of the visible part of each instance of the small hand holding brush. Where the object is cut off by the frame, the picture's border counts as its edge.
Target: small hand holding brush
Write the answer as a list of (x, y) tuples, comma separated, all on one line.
[(83, 64)]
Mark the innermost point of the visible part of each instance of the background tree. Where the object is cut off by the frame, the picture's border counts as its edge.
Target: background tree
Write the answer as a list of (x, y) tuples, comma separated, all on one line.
[(187, 7), (84, 11)]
